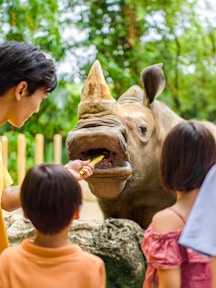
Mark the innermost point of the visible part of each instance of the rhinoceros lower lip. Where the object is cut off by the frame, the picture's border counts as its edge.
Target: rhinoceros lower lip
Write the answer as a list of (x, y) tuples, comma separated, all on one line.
[(117, 172), (109, 183)]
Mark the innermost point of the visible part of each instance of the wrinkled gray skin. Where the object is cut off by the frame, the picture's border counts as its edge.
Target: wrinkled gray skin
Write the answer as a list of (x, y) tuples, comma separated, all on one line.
[(130, 133)]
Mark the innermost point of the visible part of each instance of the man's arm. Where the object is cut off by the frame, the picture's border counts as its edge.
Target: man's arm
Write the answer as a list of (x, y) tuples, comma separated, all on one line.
[(11, 196)]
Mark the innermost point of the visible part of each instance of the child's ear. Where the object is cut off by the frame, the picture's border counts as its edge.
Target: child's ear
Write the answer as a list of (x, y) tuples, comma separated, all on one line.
[(20, 90), (77, 213)]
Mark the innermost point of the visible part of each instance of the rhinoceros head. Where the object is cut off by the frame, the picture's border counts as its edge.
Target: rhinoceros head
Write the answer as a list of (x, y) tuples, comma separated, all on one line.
[(129, 132)]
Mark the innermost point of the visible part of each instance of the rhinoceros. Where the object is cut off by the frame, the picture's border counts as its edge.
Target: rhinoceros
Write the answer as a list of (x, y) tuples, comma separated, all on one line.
[(129, 132)]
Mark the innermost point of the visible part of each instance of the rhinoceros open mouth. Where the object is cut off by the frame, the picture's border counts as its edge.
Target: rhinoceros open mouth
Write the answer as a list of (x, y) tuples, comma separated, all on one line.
[(110, 159), (87, 143), (112, 163)]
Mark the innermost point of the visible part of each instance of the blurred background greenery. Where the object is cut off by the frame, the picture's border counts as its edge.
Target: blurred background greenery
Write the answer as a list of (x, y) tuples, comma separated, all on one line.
[(125, 36)]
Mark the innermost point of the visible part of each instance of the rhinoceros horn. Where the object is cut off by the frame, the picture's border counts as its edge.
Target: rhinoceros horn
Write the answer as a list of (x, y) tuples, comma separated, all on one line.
[(96, 97)]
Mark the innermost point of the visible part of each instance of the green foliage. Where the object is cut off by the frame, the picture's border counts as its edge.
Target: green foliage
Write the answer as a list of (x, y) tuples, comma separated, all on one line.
[(33, 21), (129, 35)]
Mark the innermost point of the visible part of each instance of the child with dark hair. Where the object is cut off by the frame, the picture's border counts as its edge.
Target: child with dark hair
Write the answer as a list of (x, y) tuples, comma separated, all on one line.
[(27, 76), (188, 152), (51, 198)]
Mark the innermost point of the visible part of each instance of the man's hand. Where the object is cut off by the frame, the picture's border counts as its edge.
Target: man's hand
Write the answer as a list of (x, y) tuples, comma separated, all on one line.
[(75, 166)]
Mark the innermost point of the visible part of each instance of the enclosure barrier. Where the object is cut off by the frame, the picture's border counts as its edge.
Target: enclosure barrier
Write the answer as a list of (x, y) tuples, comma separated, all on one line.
[(39, 152)]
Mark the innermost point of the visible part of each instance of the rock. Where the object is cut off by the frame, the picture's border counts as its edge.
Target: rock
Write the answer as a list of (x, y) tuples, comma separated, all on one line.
[(18, 228), (116, 241)]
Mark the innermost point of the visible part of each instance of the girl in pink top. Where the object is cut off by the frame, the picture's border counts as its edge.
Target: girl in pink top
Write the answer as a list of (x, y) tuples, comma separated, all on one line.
[(188, 153)]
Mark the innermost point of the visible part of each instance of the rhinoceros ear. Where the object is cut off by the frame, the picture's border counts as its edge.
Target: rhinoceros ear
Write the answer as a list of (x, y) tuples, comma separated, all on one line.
[(96, 96), (153, 81)]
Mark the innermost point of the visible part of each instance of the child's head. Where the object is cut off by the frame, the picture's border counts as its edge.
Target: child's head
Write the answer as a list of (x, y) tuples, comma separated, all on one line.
[(188, 152), (50, 196), (23, 62)]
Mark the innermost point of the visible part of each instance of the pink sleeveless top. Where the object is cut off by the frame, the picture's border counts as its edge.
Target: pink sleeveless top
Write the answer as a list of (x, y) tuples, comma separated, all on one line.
[(162, 251)]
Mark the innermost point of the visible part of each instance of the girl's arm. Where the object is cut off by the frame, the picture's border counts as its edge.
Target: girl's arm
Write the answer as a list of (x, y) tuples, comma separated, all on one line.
[(213, 261), (169, 278)]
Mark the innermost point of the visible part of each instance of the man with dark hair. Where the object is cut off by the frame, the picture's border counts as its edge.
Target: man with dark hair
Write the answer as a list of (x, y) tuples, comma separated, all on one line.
[(27, 76), (23, 63)]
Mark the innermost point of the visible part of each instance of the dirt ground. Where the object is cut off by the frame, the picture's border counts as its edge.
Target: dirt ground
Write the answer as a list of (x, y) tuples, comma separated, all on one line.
[(89, 211)]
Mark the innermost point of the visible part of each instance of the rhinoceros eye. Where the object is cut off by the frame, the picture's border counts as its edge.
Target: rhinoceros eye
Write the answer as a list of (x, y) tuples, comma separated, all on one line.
[(143, 129)]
